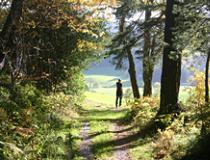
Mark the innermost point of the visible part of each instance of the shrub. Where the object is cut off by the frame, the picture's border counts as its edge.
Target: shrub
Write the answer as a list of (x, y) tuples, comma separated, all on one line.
[(197, 101), (144, 109), (3, 115), (164, 143), (197, 92), (26, 119)]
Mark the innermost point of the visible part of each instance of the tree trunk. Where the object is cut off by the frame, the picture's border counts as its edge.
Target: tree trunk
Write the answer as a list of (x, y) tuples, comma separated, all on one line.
[(148, 66), (147, 78), (132, 68), (171, 69), (132, 73), (9, 27), (207, 79)]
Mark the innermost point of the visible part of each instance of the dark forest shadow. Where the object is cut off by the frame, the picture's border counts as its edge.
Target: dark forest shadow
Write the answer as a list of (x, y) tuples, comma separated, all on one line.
[(200, 151)]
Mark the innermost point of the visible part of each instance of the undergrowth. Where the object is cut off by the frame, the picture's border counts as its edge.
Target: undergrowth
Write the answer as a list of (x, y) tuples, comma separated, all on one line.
[(182, 132), (34, 125)]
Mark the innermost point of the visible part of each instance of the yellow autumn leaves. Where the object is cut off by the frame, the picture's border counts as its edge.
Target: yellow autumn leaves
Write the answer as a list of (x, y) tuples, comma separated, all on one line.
[(95, 2)]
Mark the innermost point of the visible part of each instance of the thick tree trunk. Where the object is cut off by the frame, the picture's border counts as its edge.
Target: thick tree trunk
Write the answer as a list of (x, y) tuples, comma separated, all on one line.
[(132, 73), (171, 69), (207, 79), (9, 27), (148, 66)]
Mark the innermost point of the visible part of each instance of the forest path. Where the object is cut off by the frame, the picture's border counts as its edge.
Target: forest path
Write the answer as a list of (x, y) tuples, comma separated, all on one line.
[(103, 135), (85, 149), (121, 150)]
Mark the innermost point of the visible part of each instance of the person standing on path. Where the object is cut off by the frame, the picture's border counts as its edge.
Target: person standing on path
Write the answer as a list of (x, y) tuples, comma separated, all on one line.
[(119, 93)]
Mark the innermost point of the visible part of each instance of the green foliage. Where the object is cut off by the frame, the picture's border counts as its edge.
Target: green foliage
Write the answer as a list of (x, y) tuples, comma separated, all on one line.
[(164, 121), (27, 96), (42, 79), (22, 97), (30, 130), (164, 144), (192, 27), (175, 136), (57, 101), (143, 110), (197, 101), (54, 50), (197, 93), (74, 85), (54, 147)]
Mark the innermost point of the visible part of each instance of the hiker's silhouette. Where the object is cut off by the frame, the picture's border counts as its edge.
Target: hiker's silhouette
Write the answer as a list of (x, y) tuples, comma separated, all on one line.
[(119, 93)]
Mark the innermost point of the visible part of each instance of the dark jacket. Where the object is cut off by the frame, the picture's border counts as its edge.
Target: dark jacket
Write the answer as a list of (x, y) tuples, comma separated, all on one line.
[(119, 89)]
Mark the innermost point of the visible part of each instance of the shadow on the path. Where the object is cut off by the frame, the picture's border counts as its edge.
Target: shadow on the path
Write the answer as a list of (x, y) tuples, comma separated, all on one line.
[(132, 140), (104, 132)]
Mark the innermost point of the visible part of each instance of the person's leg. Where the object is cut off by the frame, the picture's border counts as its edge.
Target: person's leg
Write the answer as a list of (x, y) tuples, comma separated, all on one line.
[(120, 100), (116, 102)]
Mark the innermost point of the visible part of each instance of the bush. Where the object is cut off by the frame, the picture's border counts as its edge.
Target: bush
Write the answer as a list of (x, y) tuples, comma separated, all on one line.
[(163, 145), (197, 93), (197, 101), (27, 118), (144, 109)]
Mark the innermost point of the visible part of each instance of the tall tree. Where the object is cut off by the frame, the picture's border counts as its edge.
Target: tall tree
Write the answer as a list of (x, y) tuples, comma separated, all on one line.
[(148, 64), (171, 68), (193, 31), (9, 28), (39, 40), (124, 48), (144, 34), (132, 68)]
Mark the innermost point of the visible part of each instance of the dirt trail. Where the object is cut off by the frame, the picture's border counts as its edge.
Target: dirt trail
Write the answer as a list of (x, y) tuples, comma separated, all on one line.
[(121, 152), (85, 149)]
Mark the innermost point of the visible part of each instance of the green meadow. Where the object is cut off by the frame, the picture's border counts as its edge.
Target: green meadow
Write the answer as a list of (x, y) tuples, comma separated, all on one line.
[(101, 89)]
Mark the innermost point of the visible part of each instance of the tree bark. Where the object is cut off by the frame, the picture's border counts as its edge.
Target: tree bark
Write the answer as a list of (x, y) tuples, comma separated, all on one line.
[(9, 27), (171, 69), (207, 79), (147, 78), (132, 68), (132, 73), (148, 66)]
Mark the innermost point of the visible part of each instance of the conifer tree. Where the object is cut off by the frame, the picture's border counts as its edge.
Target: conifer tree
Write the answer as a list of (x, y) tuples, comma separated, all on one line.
[(171, 67)]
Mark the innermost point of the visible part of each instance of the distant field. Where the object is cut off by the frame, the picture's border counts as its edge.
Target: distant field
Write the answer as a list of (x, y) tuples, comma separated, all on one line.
[(103, 91), (101, 78), (103, 95), (100, 98), (103, 81)]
